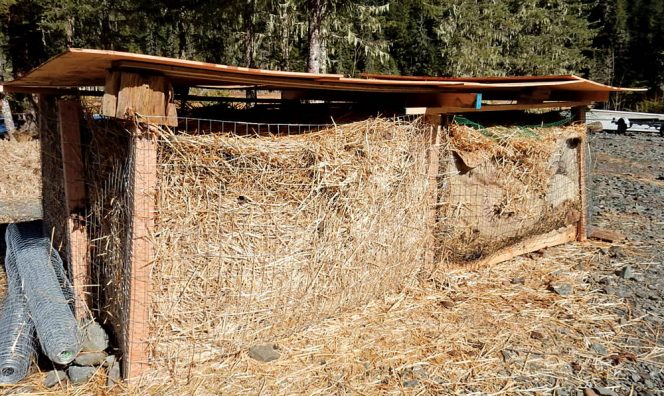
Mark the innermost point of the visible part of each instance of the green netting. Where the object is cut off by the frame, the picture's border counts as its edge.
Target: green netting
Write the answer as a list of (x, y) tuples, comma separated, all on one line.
[(524, 130)]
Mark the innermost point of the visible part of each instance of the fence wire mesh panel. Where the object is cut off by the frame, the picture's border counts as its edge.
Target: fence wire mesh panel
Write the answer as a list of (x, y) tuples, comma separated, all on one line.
[(258, 237), (500, 185), (108, 164)]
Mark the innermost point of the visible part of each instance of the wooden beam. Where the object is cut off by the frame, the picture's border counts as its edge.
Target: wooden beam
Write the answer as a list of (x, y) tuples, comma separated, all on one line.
[(109, 102), (499, 107), (69, 121), (144, 152), (147, 98), (553, 238), (606, 235)]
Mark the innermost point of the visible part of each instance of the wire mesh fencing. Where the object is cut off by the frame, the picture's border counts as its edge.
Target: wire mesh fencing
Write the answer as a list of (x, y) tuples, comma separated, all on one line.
[(500, 185)]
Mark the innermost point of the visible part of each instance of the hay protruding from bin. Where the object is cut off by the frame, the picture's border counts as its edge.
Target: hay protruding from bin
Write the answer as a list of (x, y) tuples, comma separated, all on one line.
[(499, 185), (259, 237)]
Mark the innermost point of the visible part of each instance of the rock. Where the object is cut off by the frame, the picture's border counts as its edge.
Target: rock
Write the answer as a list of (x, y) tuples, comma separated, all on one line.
[(95, 338), (562, 289), (54, 378), (518, 281), (627, 273), (420, 372), (91, 358), (113, 373), (605, 391), (264, 353), (110, 359), (536, 335), (411, 383), (617, 252), (599, 349), (447, 304), (80, 375)]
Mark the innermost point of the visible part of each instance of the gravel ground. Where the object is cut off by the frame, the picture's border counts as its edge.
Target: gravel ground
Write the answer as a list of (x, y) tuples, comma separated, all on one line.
[(628, 196)]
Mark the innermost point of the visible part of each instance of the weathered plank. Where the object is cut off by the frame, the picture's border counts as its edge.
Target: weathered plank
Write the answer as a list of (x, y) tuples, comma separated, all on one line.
[(553, 238), (147, 98), (109, 102), (605, 235)]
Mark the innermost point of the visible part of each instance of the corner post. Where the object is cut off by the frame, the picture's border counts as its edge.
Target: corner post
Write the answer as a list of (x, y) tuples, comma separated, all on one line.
[(69, 121), (144, 188), (433, 159), (579, 116)]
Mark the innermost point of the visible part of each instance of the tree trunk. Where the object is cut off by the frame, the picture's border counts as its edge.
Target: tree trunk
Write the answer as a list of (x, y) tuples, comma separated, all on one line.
[(182, 38), (69, 32), (316, 11), (7, 115), (250, 37)]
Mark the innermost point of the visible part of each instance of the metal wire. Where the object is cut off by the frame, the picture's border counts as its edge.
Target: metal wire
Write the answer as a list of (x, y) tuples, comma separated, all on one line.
[(47, 291), (16, 329)]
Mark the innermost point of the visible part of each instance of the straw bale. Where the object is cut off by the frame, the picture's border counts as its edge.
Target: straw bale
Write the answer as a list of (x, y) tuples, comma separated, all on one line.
[(260, 237), (500, 185), (20, 181)]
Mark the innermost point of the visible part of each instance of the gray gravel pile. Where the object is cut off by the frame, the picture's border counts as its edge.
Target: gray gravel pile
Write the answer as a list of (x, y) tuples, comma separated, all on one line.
[(628, 187)]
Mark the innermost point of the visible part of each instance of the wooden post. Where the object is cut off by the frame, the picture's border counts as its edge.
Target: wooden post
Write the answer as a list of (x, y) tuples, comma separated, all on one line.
[(433, 155), (579, 114), (144, 152), (69, 120)]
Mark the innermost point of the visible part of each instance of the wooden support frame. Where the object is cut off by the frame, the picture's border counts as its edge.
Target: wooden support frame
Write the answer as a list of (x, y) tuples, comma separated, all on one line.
[(144, 187), (579, 114), (148, 98), (496, 107), (433, 158), (69, 121)]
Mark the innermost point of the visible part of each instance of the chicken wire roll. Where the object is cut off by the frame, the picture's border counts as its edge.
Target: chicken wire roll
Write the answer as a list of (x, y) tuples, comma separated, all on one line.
[(47, 291), (16, 328)]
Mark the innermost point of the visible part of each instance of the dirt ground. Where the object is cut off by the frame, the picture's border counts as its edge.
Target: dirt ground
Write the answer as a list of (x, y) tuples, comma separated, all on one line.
[(554, 322)]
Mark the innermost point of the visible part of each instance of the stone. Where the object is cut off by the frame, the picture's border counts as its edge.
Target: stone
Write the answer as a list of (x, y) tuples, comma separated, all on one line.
[(562, 289), (605, 391), (627, 273), (110, 359), (95, 338), (599, 349), (54, 378), (447, 304), (80, 375), (91, 358), (420, 372), (617, 252), (411, 383), (518, 281), (264, 353), (536, 335), (113, 374)]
